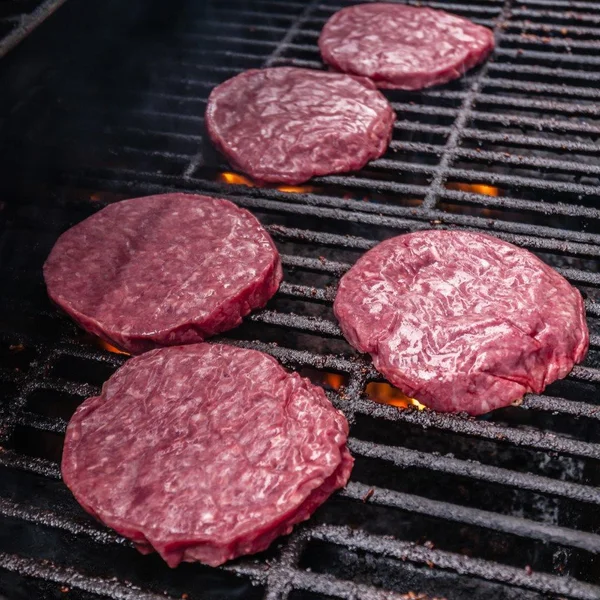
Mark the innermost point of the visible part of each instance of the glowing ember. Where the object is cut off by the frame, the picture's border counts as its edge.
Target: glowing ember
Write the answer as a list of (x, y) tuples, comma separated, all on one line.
[(476, 188), (334, 380), (106, 346), (296, 189), (384, 393), (236, 179)]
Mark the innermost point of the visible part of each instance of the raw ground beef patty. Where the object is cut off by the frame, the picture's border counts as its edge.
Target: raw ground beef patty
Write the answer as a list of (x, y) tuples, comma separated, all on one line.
[(403, 47), (286, 125), (462, 321), (205, 452), (163, 270)]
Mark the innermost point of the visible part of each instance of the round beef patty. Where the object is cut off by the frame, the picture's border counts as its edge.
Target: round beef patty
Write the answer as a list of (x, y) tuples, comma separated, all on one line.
[(462, 321), (205, 452), (286, 125), (403, 47), (163, 270)]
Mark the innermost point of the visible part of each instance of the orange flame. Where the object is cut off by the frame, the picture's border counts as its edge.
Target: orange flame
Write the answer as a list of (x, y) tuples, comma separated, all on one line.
[(477, 188), (333, 380), (384, 393), (106, 346), (296, 189), (237, 179)]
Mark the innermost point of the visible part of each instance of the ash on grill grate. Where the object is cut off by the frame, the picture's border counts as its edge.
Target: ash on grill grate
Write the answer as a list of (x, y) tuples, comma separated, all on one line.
[(439, 505), (18, 18)]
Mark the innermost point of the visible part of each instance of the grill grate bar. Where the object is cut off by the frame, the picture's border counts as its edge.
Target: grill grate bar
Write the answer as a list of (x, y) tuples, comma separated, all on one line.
[(35, 421), (449, 6), (99, 533), (575, 108), (39, 466), (553, 14), (538, 440), (518, 526), (410, 146), (297, 322), (550, 42), (462, 118), (531, 236), (513, 232), (558, 208), (550, 124), (421, 127), (520, 181), (547, 27), (532, 141), (337, 535), (424, 109), (297, 62), (528, 161), (463, 565), (27, 23), (291, 34), (566, 4), (558, 72), (561, 405), (543, 88), (538, 56), (43, 569), (306, 292), (405, 457)]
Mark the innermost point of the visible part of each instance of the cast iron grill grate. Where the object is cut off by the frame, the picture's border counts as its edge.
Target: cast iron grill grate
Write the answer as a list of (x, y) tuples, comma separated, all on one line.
[(439, 505), (19, 17)]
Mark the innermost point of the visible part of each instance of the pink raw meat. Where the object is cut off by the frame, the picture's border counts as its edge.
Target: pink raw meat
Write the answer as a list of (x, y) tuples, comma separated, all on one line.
[(403, 47), (163, 270), (286, 125), (462, 321), (205, 452)]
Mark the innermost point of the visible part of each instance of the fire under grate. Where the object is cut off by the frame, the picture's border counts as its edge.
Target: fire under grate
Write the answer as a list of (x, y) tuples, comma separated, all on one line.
[(439, 506)]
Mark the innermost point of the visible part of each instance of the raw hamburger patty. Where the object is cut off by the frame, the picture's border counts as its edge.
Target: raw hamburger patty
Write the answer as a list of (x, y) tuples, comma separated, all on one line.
[(163, 270), (285, 125), (205, 452), (462, 321), (403, 47)]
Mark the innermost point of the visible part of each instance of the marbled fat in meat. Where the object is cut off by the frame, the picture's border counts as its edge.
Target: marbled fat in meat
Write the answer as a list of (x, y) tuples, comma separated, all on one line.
[(205, 452), (462, 321), (403, 47), (286, 125), (163, 270)]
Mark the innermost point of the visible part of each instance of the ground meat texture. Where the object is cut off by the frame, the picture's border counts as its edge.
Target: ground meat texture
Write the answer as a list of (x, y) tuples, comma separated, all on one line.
[(286, 125), (163, 270), (462, 321), (403, 47), (205, 452)]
